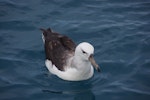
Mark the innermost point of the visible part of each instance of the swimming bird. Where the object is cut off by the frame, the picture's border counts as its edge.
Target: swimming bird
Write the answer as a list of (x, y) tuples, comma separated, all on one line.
[(66, 59)]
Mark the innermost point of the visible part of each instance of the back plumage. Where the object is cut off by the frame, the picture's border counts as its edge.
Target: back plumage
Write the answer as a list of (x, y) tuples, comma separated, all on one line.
[(58, 48)]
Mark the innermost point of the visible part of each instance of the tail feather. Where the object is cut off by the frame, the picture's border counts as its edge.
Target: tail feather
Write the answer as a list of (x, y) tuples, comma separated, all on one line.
[(43, 38), (46, 31)]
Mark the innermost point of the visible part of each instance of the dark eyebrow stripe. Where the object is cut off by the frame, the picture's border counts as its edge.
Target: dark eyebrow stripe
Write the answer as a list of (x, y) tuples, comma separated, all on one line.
[(84, 51)]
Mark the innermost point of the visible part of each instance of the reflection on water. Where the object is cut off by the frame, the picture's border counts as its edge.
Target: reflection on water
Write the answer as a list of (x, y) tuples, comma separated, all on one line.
[(79, 94)]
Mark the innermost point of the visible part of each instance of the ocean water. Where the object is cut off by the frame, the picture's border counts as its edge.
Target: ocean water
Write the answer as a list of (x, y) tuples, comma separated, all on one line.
[(118, 29)]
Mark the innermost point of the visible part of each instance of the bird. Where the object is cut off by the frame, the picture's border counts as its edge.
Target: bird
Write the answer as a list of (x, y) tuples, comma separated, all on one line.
[(67, 60)]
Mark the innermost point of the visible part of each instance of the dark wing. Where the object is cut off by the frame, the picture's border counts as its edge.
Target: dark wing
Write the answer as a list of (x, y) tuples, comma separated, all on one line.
[(58, 48), (67, 43)]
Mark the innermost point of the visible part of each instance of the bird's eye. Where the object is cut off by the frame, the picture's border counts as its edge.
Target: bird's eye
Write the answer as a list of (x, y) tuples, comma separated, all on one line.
[(83, 52)]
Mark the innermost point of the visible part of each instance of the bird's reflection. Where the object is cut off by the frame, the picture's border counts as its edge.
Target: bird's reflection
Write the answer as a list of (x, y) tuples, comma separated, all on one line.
[(86, 95), (78, 90)]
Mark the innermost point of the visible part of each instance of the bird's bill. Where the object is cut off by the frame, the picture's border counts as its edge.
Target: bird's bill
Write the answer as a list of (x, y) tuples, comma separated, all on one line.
[(95, 65)]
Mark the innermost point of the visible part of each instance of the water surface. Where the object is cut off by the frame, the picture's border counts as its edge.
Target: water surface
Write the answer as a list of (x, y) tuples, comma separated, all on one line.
[(118, 29)]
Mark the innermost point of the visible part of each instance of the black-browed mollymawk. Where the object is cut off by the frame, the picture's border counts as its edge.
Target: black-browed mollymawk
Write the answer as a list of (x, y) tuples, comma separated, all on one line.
[(65, 59)]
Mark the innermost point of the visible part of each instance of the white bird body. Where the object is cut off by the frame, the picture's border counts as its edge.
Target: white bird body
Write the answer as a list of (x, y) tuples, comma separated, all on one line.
[(71, 73), (67, 61)]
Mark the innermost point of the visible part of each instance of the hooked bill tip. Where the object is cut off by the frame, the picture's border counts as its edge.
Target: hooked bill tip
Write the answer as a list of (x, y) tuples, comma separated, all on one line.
[(98, 69)]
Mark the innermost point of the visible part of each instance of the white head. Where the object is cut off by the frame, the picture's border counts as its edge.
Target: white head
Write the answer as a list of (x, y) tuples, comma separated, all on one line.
[(85, 51)]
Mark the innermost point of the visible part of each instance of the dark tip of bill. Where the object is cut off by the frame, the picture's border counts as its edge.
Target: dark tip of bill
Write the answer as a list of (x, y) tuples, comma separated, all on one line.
[(98, 69)]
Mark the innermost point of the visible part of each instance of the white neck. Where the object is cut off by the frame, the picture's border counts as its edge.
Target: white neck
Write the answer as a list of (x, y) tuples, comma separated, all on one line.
[(81, 65)]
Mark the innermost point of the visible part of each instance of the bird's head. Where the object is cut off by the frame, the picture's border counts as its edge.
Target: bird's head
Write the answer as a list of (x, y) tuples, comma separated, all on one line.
[(86, 51)]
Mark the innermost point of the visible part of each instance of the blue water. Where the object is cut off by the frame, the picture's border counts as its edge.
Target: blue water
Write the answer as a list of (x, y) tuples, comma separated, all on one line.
[(118, 29)]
